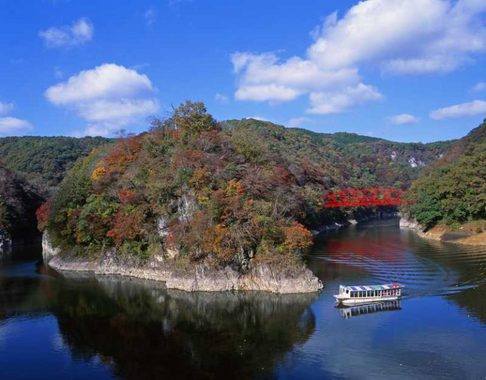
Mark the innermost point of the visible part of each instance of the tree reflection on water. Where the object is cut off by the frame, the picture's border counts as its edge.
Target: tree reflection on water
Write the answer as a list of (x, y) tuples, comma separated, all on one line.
[(143, 331)]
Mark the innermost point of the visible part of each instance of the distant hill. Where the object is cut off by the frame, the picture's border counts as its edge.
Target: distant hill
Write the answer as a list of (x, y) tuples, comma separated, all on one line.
[(362, 161), (453, 190), (43, 161)]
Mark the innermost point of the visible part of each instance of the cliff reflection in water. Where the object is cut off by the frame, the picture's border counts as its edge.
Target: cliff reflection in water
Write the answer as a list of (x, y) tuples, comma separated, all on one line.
[(145, 331)]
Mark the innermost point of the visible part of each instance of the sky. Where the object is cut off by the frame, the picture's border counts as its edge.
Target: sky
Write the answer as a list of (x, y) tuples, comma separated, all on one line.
[(404, 70)]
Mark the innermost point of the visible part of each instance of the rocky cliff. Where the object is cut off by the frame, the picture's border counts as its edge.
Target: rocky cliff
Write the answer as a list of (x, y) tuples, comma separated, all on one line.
[(193, 277)]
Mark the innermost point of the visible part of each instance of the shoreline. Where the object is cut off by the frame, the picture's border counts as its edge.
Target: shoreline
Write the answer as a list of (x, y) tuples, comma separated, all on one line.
[(444, 234), (199, 277)]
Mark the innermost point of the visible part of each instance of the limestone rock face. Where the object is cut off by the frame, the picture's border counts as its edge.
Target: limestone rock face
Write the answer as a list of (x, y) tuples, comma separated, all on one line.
[(48, 250), (198, 277), (411, 224)]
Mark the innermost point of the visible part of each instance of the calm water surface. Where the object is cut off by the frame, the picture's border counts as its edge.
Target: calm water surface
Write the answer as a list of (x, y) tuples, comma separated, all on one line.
[(57, 327)]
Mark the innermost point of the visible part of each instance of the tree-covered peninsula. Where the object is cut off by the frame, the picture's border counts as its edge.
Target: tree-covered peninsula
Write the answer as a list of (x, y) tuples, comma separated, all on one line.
[(192, 193)]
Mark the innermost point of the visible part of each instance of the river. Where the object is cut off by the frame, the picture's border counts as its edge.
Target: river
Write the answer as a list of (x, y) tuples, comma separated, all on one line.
[(76, 327)]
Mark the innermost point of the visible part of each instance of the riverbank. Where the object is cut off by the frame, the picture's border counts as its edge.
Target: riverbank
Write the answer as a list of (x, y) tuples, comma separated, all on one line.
[(193, 277), (467, 234)]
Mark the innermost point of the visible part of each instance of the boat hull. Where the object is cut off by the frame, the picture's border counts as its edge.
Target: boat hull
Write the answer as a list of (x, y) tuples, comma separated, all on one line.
[(364, 300)]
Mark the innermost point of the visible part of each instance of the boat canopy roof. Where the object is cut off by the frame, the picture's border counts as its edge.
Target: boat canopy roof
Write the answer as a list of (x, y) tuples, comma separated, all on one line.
[(374, 287)]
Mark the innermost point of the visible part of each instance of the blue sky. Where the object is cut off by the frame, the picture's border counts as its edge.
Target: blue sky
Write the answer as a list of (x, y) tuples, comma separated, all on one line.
[(405, 70)]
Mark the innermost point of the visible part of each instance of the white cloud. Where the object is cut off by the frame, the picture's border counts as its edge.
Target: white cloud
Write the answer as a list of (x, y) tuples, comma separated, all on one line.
[(150, 16), (297, 122), (404, 118), (12, 125), (397, 36), (106, 81), (6, 107), (476, 107), (481, 86), (79, 32), (343, 99), (270, 92), (405, 36), (221, 99), (260, 118), (108, 97)]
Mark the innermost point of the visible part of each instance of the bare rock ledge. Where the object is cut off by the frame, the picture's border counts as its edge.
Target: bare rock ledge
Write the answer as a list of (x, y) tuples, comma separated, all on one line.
[(200, 277)]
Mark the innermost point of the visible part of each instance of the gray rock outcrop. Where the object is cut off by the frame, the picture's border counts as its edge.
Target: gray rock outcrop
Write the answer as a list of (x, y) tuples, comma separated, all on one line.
[(196, 277)]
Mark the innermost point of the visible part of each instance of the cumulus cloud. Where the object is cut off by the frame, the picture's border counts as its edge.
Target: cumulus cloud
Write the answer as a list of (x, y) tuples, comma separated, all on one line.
[(398, 36), (108, 97), (476, 107), (221, 99), (341, 100), (481, 86), (6, 108), (12, 125), (404, 118), (78, 33), (150, 16)]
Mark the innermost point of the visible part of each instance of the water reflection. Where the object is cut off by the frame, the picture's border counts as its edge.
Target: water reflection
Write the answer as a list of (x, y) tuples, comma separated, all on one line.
[(143, 331), (56, 327), (149, 332), (354, 311)]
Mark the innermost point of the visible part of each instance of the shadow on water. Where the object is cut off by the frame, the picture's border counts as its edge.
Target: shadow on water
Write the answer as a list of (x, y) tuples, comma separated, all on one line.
[(140, 330)]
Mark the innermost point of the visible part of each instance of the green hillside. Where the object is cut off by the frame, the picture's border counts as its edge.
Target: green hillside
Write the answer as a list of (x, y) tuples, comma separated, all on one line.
[(44, 161), (453, 190)]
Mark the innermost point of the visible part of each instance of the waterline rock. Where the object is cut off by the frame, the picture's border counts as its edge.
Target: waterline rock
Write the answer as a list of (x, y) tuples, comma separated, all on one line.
[(197, 277)]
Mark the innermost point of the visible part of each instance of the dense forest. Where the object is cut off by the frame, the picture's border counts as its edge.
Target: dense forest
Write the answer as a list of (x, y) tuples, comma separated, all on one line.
[(43, 161), (453, 190), (226, 192), (359, 161)]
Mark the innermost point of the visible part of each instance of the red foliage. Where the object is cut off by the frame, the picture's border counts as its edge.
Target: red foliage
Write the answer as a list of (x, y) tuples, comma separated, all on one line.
[(127, 196), (115, 163), (42, 214), (127, 226), (283, 176), (297, 237)]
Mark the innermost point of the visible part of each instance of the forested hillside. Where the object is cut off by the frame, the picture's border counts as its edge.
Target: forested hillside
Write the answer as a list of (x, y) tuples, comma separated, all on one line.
[(18, 202), (44, 161), (361, 161), (229, 193), (453, 190)]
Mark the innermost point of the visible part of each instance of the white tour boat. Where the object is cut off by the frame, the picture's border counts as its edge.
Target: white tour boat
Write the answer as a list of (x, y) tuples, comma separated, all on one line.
[(356, 295)]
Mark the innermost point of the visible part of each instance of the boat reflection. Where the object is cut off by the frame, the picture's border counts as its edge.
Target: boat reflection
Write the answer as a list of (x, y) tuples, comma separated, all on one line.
[(354, 311)]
